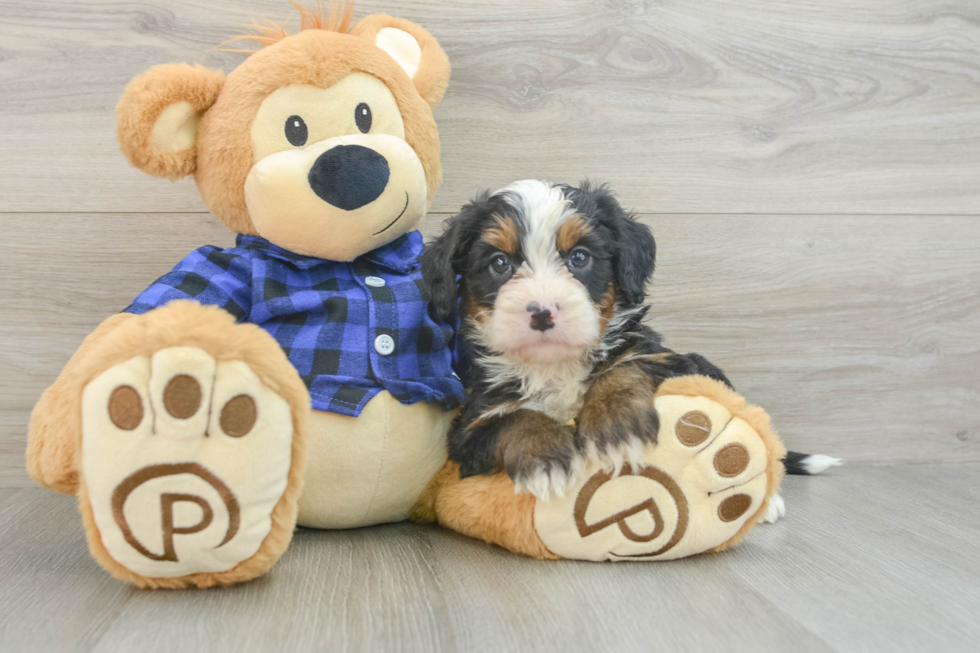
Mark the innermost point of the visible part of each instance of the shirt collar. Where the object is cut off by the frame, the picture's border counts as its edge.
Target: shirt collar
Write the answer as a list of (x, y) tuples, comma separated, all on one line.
[(400, 255)]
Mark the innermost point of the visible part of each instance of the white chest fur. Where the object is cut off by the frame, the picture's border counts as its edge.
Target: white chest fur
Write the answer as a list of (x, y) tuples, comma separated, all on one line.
[(555, 389)]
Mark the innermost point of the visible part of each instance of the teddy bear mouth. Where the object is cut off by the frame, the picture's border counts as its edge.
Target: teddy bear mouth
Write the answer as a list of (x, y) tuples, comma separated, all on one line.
[(390, 224)]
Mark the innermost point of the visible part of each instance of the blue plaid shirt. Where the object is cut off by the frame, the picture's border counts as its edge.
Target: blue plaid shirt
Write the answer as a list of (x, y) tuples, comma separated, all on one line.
[(335, 321)]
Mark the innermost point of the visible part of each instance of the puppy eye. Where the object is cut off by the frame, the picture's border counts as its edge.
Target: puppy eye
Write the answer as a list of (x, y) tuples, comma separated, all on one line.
[(500, 264), (362, 116), (579, 258), (296, 131)]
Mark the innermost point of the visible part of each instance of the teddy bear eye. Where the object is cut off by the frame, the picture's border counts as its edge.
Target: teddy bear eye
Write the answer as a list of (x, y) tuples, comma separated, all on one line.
[(362, 116), (296, 131)]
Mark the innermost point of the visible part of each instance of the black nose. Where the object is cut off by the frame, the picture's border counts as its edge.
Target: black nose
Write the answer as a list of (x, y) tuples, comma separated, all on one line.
[(349, 176), (540, 317)]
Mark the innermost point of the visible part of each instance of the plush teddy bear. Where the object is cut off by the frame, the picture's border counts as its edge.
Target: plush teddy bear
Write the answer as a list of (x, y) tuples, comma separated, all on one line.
[(301, 376), (184, 424)]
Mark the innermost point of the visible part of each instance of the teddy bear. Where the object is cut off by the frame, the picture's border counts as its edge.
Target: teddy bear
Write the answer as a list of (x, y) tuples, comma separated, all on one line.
[(297, 377), (301, 376)]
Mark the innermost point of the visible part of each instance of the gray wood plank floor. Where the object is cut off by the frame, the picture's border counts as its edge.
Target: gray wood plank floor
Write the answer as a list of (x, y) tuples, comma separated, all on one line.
[(868, 558)]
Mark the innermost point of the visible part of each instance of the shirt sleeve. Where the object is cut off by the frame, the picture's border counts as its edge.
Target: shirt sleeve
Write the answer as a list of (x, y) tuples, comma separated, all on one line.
[(208, 275)]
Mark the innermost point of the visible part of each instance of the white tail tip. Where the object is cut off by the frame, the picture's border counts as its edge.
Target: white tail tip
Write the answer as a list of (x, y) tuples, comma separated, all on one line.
[(818, 463)]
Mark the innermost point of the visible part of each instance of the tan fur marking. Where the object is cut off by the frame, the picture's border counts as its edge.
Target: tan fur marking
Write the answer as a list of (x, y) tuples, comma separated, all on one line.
[(607, 307), (503, 235), (473, 309), (572, 230), (617, 382), (617, 395)]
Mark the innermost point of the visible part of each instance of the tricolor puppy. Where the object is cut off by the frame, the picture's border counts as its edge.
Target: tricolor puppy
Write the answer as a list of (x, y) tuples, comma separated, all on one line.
[(550, 283)]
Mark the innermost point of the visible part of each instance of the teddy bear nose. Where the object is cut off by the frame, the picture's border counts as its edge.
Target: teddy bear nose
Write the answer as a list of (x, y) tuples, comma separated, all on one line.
[(349, 176)]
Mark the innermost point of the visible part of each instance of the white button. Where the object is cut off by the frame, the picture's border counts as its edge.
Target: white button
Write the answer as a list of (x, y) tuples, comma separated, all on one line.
[(384, 344), (374, 282)]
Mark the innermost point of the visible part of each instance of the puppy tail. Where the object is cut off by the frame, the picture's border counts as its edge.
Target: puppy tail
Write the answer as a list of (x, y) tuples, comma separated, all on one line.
[(809, 464)]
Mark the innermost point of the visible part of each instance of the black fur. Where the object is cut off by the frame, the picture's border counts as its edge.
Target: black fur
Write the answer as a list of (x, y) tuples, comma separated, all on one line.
[(634, 250), (795, 463), (451, 254)]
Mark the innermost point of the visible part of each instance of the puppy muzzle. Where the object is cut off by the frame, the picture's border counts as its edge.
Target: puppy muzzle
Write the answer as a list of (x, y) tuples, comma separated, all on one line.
[(543, 318)]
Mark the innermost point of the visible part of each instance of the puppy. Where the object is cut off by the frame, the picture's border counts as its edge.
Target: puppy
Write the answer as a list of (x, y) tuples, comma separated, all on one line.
[(549, 282)]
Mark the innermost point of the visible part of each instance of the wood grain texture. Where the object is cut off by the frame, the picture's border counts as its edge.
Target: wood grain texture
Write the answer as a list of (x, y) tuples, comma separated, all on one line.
[(860, 335), (721, 106), (51, 597), (911, 534), (869, 558)]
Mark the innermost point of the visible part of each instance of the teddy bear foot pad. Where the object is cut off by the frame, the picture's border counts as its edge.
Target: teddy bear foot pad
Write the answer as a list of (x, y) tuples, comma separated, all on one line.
[(184, 460), (692, 491)]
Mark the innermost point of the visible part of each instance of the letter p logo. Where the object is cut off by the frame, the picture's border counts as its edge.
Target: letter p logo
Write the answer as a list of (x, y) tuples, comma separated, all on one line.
[(167, 502)]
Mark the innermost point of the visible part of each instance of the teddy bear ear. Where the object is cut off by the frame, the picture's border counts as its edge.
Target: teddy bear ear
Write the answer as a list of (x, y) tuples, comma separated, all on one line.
[(158, 117), (416, 51)]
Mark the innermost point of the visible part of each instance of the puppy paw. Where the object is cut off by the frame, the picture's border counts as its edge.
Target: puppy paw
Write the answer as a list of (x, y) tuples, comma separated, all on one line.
[(615, 425), (546, 479), (692, 491), (616, 456), (775, 510), (538, 454), (184, 460), (542, 467)]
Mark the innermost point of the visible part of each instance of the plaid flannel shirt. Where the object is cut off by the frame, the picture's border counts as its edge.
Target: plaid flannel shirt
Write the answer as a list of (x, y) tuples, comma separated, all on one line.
[(350, 329)]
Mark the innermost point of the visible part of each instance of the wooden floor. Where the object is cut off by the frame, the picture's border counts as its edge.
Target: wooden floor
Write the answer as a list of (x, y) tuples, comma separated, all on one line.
[(811, 169), (868, 559)]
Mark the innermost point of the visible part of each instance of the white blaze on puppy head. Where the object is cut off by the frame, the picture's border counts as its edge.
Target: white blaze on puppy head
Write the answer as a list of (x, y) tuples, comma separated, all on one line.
[(545, 267), (542, 313)]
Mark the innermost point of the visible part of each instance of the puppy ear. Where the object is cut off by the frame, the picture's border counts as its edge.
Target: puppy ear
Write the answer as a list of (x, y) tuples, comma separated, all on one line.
[(637, 257), (158, 117), (439, 268), (636, 250), (416, 51)]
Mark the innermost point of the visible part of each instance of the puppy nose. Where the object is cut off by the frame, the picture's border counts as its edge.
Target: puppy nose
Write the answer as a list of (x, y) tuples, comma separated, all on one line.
[(349, 176), (541, 319)]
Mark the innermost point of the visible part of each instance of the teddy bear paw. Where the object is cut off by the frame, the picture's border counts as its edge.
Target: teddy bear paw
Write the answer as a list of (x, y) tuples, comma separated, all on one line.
[(693, 490), (184, 460)]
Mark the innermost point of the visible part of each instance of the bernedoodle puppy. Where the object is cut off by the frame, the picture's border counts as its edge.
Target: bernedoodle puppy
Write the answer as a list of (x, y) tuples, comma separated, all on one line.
[(549, 282)]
